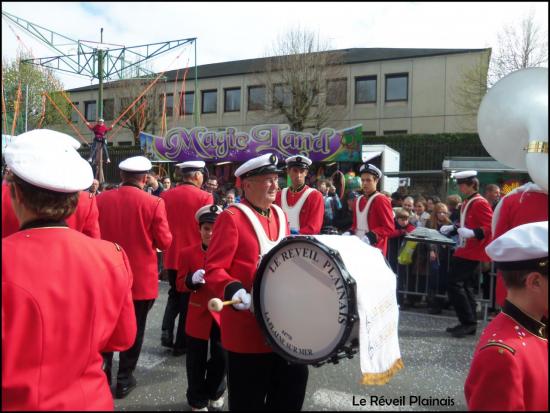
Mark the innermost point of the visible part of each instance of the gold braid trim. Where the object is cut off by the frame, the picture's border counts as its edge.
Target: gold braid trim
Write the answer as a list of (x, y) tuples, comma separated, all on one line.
[(379, 379)]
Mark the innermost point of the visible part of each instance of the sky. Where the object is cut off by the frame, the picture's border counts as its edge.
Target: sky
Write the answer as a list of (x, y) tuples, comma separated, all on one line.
[(235, 31)]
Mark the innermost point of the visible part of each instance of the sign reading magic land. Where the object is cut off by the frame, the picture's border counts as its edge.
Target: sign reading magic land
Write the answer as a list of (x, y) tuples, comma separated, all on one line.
[(181, 144)]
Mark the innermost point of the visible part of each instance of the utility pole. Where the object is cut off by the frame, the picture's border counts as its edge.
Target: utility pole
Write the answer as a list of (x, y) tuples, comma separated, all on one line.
[(100, 76)]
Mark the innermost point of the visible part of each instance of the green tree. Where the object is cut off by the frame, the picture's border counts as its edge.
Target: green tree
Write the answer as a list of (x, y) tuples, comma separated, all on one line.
[(18, 77)]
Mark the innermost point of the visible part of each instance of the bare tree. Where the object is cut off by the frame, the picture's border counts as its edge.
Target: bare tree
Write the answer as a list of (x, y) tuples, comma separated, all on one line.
[(300, 72)]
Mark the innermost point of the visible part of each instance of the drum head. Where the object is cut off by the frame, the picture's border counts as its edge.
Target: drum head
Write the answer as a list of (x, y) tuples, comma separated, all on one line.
[(304, 300)]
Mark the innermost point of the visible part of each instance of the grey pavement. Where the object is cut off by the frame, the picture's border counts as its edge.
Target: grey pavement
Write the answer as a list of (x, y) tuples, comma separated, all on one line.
[(436, 366)]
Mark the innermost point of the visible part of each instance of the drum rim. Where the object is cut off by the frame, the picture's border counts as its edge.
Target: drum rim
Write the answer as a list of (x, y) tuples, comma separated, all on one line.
[(349, 286)]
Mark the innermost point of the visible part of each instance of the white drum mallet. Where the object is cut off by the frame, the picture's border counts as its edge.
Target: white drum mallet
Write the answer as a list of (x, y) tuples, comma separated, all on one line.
[(215, 304)]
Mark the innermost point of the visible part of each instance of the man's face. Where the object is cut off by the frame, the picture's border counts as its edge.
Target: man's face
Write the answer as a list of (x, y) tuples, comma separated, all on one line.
[(408, 204), (211, 185), (297, 176), (419, 208), (493, 196), (368, 183), (465, 188), (150, 179), (206, 232), (262, 188), (230, 198), (95, 185)]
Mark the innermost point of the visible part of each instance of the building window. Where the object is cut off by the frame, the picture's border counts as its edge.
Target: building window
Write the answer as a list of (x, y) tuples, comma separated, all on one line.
[(397, 87), (365, 89), (282, 96), (74, 114), (169, 108), (108, 109), (256, 97), (395, 132), (337, 92), (124, 103), (232, 99), (369, 133), (209, 101), (187, 103), (90, 109)]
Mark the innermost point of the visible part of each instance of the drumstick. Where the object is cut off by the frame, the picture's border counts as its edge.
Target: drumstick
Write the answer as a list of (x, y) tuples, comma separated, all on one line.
[(215, 304)]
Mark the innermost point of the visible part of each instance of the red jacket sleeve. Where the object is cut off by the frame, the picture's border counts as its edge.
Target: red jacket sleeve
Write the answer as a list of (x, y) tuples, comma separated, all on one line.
[(312, 214), (91, 222), (183, 270), (124, 334), (381, 217), (161, 230)]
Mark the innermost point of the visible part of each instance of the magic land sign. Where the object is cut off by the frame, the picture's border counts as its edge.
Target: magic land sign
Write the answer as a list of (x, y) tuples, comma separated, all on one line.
[(199, 143)]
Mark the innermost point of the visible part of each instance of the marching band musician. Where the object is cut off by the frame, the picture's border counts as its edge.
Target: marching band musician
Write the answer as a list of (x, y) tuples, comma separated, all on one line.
[(258, 378), (509, 370), (182, 203), (372, 214), (137, 221), (303, 205), (474, 234), (205, 377), (528, 203), (66, 297), (85, 217)]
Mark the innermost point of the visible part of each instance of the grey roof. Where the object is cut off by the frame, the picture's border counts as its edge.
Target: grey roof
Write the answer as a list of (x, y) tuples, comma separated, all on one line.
[(350, 56)]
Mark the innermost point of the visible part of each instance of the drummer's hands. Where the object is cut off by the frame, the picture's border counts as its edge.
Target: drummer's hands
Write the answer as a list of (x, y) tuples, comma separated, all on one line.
[(446, 229), (366, 240), (246, 300), (466, 233), (198, 277)]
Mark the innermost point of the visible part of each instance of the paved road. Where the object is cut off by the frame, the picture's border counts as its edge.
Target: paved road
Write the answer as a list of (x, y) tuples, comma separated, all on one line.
[(436, 366)]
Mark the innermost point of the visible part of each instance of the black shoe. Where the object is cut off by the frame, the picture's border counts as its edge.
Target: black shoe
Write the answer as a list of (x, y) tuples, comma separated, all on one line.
[(465, 330), (124, 388), (167, 339), (451, 329), (179, 351)]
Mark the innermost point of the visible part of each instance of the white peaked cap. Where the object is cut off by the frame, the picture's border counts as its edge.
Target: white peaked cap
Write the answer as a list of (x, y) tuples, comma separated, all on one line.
[(191, 165), (56, 167), (371, 169), (136, 164), (264, 164), (208, 213), (298, 160), (522, 247), (49, 137), (465, 174)]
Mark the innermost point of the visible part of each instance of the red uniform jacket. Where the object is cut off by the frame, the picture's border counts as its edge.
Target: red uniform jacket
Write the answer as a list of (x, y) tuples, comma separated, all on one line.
[(182, 202), (509, 370), (517, 209), (478, 216), (312, 212), (66, 298), (137, 221), (84, 219), (233, 256), (380, 220), (199, 319)]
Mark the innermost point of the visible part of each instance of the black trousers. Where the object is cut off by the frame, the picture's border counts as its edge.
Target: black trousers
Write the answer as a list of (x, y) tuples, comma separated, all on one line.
[(265, 381), (463, 277), (205, 376), (129, 358), (175, 305)]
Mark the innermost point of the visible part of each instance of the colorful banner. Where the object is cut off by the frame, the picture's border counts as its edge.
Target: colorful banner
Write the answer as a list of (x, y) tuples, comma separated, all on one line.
[(199, 143)]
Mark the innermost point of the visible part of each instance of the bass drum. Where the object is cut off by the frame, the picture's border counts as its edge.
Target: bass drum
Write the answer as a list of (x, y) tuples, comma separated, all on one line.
[(305, 301)]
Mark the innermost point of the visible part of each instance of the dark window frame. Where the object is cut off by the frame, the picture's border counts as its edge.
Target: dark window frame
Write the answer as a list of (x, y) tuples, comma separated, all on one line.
[(112, 115), (262, 105), (86, 104), (339, 79), (74, 112), (288, 93), (393, 76), (366, 78), (182, 99), (229, 89), (204, 92)]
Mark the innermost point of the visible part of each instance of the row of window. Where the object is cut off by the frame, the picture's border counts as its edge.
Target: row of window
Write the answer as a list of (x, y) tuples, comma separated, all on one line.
[(366, 87)]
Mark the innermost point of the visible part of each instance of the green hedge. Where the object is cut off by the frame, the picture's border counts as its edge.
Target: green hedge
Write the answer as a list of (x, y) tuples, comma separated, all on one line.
[(427, 151)]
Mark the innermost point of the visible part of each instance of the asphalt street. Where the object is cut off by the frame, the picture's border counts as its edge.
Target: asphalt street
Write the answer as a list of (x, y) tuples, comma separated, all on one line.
[(436, 366)]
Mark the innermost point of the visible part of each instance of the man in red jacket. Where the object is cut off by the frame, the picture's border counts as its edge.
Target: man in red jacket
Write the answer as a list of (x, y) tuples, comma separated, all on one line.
[(205, 376), (182, 203), (66, 297), (474, 233), (258, 378), (84, 219), (137, 221), (372, 213), (304, 206), (509, 370)]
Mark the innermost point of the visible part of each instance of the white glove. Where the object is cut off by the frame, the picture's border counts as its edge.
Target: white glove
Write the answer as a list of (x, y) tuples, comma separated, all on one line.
[(445, 229), (198, 277), (246, 299), (347, 234), (365, 239), (466, 233)]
